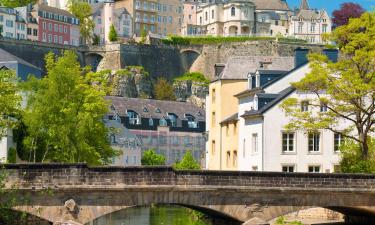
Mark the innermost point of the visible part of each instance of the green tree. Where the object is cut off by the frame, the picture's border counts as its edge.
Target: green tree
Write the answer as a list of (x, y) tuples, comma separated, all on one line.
[(187, 163), (112, 36), (163, 90), (351, 161), (151, 158), (16, 3), (64, 114), (95, 39), (10, 101), (83, 11), (345, 88)]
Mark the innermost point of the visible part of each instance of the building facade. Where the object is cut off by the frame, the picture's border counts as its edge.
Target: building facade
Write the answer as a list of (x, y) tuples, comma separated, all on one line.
[(106, 15), (169, 17), (222, 106), (144, 14), (56, 25), (189, 24), (12, 24), (170, 128), (264, 143), (310, 24)]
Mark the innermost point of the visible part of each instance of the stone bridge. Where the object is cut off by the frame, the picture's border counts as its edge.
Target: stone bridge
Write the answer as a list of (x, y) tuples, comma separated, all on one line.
[(78, 194)]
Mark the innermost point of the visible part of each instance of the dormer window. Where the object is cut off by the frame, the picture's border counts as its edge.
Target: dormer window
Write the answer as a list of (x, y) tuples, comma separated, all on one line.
[(157, 110), (145, 109), (134, 118), (191, 121), (113, 107), (173, 118), (163, 122)]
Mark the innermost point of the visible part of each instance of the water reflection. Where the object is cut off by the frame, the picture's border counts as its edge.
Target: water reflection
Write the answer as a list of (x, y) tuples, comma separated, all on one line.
[(160, 215)]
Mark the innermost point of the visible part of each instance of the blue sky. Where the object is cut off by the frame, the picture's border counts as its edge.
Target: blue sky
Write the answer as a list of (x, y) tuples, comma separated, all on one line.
[(331, 5)]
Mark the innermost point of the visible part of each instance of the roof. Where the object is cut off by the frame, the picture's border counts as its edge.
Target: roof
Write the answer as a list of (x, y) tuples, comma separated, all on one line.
[(7, 57), (304, 5), (239, 67), (122, 104), (231, 118), (280, 96), (97, 7), (249, 92), (309, 14), (271, 5), (121, 11), (46, 8), (7, 10)]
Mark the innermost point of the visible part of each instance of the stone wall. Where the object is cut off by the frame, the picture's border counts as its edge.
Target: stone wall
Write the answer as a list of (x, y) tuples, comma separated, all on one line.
[(52, 175), (212, 54)]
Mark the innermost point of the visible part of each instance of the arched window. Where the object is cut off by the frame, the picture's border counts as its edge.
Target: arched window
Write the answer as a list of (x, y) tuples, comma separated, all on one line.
[(191, 121), (173, 118), (233, 11), (134, 118), (163, 122)]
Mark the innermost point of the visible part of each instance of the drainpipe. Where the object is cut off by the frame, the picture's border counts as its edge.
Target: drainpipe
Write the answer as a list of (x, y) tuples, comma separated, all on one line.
[(221, 141)]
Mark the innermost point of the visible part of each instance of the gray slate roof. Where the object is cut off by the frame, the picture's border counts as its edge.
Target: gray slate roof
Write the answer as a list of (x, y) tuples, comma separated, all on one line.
[(279, 97), (308, 14), (271, 5), (54, 10), (238, 68), (7, 57), (122, 104), (231, 118)]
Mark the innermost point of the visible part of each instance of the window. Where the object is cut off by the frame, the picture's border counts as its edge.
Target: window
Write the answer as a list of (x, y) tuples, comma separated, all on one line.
[(324, 28), (170, 20), (212, 14), (244, 148), (234, 128), (314, 142), (151, 122), (233, 11), (305, 106), (163, 122), (1, 18), (44, 37), (113, 138), (276, 22), (300, 26), (234, 158), (61, 28), (191, 121), (60, 39), (213, 119), (133, 117), (173, 119), (288, 142), (157, 110), (56, 27), (338, 141), (65, 29), (200, 20), (228, 158), (44, 25), (312, 28), (213, 95), (35, 32), (9, 23), (323, 107), (50, 26), (49, 38), (227, 130), (254, 143), (213, 146), (288, 169), (206, 16), (29, 31), (137, 4), (55, 39), (314, 169)]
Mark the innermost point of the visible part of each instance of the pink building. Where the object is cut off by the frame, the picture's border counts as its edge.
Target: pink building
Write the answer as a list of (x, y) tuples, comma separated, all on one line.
[(189, 25), (56, 25)]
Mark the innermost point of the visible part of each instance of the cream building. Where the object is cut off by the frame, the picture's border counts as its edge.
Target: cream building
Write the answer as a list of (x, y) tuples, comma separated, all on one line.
[(106, 15), (222, 106), (189, 24), (12, 25), (310, 24), (169, 17)]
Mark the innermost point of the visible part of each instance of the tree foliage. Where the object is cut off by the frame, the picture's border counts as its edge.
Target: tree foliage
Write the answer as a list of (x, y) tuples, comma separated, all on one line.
[(10, 101), (347, 10), (187, 163), (83, 11), (351, 161), (112, 36), (194, 77), (16, 3), (151, 158), (345, 88), (163, 90), (64, 114)]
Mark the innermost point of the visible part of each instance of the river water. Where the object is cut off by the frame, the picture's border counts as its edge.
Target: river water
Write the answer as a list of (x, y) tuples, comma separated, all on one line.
[(156, 215)]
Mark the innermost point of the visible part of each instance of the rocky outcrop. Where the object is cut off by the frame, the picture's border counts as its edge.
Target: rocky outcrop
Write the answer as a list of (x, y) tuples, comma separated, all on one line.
[(191, 91)]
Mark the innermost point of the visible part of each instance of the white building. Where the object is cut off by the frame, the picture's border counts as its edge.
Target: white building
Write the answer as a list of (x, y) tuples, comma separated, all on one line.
[(264, 144), (106, 15), (310, 24), (12, 25)]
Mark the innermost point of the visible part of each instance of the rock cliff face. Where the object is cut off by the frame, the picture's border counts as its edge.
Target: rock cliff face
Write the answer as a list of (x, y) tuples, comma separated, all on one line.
[(191, 91), (132, 82)]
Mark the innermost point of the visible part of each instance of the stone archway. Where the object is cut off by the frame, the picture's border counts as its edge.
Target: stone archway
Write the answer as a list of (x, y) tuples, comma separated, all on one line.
[(93, 60)]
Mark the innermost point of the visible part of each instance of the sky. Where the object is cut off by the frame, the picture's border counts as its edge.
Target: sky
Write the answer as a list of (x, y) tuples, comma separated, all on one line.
[(331, 5)]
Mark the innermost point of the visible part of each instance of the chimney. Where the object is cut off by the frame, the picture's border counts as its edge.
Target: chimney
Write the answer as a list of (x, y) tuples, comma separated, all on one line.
[(300, 57), (219, 67), (332, 54)]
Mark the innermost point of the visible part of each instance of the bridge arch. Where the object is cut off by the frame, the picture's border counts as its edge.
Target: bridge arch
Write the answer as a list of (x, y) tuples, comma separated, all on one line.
[(93, 59)]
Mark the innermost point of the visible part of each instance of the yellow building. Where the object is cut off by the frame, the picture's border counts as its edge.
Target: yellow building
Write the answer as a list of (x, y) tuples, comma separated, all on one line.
[(222, 122), (143, 12)]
